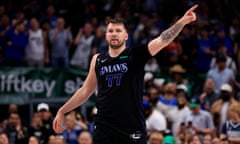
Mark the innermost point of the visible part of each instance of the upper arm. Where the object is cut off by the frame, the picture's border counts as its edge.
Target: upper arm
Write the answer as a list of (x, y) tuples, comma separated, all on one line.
[(90, 83)]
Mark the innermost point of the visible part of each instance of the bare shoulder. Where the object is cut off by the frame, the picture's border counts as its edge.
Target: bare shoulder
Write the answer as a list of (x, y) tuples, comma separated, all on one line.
[(93, 62), (91, 80), (94, 58)]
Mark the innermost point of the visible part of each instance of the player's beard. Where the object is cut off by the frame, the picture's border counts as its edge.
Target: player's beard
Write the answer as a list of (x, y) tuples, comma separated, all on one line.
[(115, 45)]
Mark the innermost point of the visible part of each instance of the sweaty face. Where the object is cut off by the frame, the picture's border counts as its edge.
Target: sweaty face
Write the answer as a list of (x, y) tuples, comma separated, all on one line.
[(116, 35)]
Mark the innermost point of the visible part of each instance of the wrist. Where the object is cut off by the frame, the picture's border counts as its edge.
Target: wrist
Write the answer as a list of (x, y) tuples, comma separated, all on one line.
[(60, 111), (182, 22)]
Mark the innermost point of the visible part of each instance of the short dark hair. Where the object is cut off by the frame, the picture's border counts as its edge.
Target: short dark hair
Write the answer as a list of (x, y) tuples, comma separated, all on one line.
[(118, 20)]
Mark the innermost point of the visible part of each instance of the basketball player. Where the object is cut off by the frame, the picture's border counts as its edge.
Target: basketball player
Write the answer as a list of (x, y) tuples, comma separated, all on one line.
[(118, 75)]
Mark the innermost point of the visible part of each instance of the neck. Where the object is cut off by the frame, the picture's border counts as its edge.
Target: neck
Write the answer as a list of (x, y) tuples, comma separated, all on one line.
[(116, 52)]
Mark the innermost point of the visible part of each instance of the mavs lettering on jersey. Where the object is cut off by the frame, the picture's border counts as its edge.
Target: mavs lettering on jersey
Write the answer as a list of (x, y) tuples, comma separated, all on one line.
[(122, 67), (114, 73)]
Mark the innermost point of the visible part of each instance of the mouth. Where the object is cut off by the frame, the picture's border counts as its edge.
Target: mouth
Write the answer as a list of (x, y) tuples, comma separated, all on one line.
[(114, 39)]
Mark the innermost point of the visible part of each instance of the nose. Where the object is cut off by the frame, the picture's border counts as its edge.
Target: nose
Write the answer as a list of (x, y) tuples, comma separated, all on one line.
[(114, 33), (113, 36)]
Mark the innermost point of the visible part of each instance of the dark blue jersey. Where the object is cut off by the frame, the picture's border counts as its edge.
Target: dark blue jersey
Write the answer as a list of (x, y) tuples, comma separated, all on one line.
[(120, 90)]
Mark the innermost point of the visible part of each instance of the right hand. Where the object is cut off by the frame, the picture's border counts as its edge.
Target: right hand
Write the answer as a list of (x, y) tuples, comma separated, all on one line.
[(190, 15), (57, 123)]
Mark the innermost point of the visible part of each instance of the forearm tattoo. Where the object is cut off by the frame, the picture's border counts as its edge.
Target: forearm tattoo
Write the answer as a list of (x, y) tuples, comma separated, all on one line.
[(169, 34)]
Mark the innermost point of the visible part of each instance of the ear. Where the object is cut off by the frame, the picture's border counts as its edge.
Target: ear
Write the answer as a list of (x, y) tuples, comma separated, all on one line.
[(126, 36)]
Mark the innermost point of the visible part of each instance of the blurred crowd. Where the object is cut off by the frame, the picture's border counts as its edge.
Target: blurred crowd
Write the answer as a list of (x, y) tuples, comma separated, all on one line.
[(17, 130), (54, 33), (67, 33)]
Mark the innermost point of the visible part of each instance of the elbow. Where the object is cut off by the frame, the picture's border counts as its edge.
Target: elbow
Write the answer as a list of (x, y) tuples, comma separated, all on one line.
[(154, 47), (152, 53), (151, 49)]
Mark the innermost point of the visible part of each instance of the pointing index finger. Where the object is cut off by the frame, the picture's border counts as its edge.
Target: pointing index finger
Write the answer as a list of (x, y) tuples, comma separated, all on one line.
[(193, 8)]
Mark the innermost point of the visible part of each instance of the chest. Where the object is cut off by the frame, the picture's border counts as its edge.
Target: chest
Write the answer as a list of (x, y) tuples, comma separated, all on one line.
[(112, 72)]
